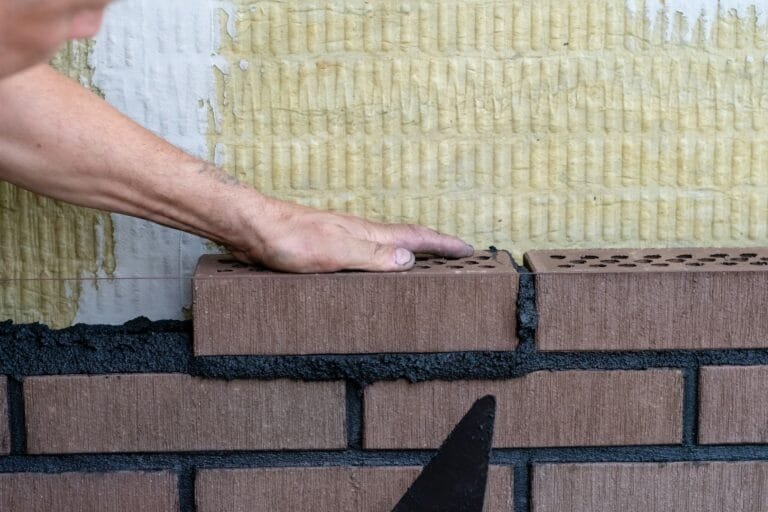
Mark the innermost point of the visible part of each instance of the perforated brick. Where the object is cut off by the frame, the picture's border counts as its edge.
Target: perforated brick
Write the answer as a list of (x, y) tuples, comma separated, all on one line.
[(651, 299), (440, 305), (89, 492), (138, 413), (682, 487), (733, 405), (364, 489), (568, 408)]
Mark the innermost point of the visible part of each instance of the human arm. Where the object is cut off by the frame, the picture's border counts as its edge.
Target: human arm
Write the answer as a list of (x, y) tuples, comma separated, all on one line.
[(60, 140)]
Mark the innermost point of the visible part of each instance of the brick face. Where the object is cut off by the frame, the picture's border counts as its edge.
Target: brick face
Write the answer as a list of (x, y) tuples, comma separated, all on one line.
[(682, 487), (89, 492), (324, 489), (5, 435), (568, 408), (733, 405), (691, 303), (171, 412), (447, 305)]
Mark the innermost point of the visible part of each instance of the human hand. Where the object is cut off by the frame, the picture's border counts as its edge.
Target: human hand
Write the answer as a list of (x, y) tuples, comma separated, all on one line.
[(32, 30), (295, 238)]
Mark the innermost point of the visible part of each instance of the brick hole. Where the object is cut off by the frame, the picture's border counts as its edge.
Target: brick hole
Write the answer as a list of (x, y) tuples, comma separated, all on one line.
[(487, 266), (627, 265), (557, 256), (598, 265), (748, 255), (676, 260), (565, 266), (619, 257), (590, 257), (695, 264), (654, 256), (224, 270), (729, 263), (759, 263), (456, 266), (578, 262), (659, 264), (643, 261), (609, 261), (422, 257), (707, 260), (719, 255), (739, 258), (423, 266), (483, 258), (438, 262), (685, 256), (471, 262)]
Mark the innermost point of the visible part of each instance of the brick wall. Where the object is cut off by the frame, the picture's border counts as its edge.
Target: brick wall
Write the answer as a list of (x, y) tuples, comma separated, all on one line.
[(625, 380)]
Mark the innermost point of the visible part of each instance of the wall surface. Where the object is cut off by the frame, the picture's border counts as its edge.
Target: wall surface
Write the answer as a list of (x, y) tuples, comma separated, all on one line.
[(520, 124)]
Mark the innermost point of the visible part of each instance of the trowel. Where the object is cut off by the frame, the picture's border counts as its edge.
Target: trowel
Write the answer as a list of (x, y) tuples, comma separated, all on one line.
[(455, 479)]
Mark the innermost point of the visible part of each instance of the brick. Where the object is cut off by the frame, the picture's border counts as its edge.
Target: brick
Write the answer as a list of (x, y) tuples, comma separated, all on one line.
[(682, 487), (366, 489), (441, 305), (5, 434), (172, 412), (733, 405), (89, 492), (667, 299), (568, 408)]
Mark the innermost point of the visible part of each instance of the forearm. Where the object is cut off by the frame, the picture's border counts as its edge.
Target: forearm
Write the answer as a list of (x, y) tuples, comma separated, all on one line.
[(60, 140)]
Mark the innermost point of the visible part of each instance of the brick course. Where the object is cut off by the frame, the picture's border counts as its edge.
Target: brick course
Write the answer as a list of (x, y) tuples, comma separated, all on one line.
[(734, 405), (568, 408), (440, 305), (137, 413), (368, 489), (682, 487), (693, 301), (89, 492)]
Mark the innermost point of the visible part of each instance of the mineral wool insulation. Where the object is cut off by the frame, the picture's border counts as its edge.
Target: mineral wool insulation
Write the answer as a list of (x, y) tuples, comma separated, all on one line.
[(523, 124)]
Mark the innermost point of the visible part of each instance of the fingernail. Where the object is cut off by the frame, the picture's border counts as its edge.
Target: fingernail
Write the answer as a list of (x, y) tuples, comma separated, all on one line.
[(403, 256)]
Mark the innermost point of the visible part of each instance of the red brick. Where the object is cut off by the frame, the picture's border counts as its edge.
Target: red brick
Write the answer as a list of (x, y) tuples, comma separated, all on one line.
[(692, 303), (172, 412), (5, 435), (568, 408), (89, 492), (733, 405), (682, 487), (447, 305), (344, 489)]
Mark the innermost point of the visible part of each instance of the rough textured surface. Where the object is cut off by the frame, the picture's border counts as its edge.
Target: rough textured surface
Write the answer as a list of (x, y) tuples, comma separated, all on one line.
[(682, 487), (695, 301), (5, 435), (89, 492), (733, 405), (571, 408), (135, 413), (439, 306), (324, 489)]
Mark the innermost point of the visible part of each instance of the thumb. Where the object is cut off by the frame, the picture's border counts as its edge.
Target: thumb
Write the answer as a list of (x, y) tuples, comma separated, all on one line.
[(373, 256)]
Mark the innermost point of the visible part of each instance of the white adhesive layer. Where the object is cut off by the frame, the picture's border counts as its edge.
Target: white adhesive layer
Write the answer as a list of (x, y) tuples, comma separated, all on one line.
[(153, 62), (694, 12)]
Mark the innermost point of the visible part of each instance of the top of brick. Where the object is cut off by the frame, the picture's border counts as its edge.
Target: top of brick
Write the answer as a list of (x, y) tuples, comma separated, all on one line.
[(648, 260), (221, 265)]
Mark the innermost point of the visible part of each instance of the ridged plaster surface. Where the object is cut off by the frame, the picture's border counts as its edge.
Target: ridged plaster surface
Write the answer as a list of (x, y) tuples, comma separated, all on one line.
[(42, 241), (523, 124)]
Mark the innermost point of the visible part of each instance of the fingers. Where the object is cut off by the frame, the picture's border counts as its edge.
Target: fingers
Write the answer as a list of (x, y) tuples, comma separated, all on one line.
[(421, 239), (374, 256)]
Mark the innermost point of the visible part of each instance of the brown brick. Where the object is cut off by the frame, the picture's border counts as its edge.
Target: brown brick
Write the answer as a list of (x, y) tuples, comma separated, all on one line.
[(171, 412), (568, 408), (733, 405), (441, 305), (669, 299), (682, 487), (5, 435), (325, 489), (89, 492)]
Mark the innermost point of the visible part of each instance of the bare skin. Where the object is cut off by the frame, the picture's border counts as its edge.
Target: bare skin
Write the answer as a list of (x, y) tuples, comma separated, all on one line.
[(60, 140)]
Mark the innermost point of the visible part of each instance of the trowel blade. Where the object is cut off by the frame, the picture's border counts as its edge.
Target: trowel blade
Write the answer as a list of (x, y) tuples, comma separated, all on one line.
[(455, 479)]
